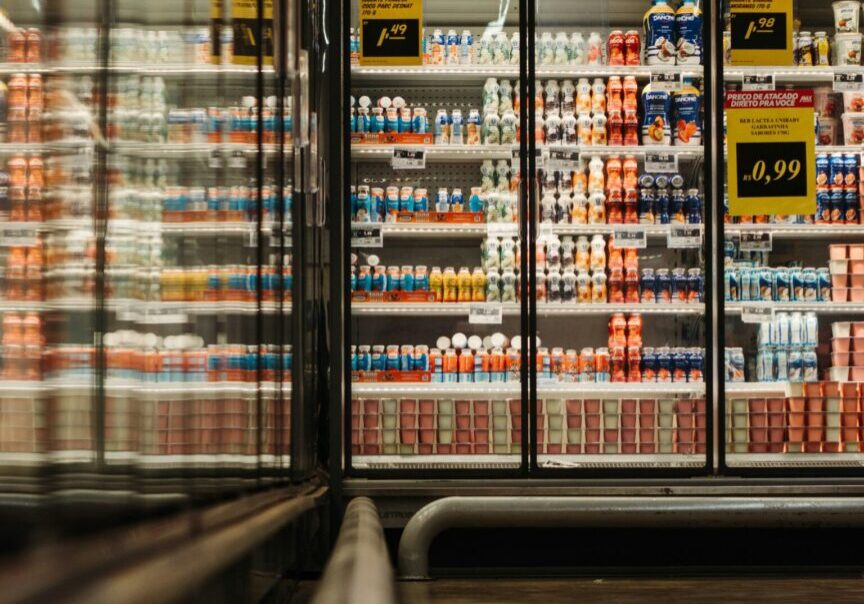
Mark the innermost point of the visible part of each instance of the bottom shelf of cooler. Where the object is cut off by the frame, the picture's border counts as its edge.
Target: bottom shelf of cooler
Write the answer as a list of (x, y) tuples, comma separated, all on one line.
[(476, 432), (810, 425)]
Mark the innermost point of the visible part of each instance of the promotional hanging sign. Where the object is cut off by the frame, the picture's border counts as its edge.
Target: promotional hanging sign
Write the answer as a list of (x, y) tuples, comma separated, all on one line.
[(247, 42), (772, 155), (391, 32), (761, 32)]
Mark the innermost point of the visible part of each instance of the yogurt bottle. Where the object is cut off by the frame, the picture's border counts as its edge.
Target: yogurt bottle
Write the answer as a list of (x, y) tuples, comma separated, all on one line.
[(659, 27), (688, 28)]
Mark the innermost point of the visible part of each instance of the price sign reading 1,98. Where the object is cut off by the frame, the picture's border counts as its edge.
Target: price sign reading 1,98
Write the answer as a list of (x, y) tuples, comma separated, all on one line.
[(772, 169)]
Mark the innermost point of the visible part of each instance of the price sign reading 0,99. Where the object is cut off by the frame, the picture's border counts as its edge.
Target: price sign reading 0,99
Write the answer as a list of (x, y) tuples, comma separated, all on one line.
[(772, 169), (772, 155)]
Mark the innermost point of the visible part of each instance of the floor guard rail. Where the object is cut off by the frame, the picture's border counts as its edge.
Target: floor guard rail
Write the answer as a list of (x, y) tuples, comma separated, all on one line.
[(359, 569), (620, 512)]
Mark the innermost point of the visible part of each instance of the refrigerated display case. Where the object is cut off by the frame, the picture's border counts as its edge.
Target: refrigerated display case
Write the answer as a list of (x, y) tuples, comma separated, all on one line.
[(529, 303), (148, 216), (791, 388)]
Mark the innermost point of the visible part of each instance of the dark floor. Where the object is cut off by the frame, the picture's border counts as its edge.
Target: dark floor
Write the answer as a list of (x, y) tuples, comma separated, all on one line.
[(642, 590)]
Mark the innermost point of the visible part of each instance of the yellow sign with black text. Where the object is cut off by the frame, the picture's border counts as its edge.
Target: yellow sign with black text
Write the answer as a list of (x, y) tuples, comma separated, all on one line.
[(391, 32), (761, 32), (772, 152), (252, 36)]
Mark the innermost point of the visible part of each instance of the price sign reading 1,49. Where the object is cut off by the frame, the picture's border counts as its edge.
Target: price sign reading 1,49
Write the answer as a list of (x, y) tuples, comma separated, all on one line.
[(390, 32)]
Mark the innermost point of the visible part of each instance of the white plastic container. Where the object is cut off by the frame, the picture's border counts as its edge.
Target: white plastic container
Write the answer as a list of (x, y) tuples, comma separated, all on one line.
[(853, 128), (847, 14), (841, 329), (853, 101), (847, 49), (825, 101), (828, 127)]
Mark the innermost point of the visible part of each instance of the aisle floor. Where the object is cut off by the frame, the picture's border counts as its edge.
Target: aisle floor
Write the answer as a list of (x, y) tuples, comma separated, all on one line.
[(625, 590)]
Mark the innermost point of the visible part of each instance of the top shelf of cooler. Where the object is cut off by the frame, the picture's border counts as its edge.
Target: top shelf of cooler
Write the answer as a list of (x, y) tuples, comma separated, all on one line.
[(144, 69), (458, 74), (790, 74)]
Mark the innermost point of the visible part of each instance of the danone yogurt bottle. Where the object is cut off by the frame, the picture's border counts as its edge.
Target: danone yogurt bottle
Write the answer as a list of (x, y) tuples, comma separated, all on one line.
[(659, 27), (688, 27), (655, 117), (686, 102)]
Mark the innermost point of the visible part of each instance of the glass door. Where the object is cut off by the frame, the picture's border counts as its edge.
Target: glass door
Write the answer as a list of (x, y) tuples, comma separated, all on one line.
[(619, 252), (435, 208), (792, 291), (196, 222)]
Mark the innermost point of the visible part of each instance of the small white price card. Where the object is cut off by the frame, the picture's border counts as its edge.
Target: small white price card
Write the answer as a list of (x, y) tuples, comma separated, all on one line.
[(630, 238), (661, 163), (756, 241), (367, 235), (667, 81), (408, 159), (757, 313), (684, 236), (762, 81), (848, 82), (485, 313)]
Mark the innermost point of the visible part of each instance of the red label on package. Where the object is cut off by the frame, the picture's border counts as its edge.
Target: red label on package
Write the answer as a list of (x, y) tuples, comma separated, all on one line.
[(391, 376)]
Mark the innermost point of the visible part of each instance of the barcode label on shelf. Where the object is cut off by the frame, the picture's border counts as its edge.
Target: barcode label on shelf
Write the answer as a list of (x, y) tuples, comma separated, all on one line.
[(408, 159), (515, 154), (668, 81), (630, 238), (502, 229), (661, 162), (756, 241), (237, 160), (367, 235), (756, 313), (684, 236), (215, 161), (485, 313), (848, 82), (758, 82), (562, 159)]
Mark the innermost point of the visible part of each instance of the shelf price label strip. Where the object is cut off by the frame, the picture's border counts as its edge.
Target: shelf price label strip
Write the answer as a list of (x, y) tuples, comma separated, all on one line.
[(848, 82), (408, 159), (684, 236), (756, 313), (756, 241), (485, 313), (367, 235), (656, 163), (630, 238)]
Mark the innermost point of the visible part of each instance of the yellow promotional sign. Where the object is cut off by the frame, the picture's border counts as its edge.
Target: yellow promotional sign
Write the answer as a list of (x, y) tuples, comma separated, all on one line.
[(391, 32), (772, 152), (761, 32), (244, 22)]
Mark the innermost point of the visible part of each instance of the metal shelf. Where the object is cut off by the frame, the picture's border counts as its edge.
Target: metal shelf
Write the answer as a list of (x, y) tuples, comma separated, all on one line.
[(160, 150), (435, 462), (461, 74), (798, 231), (153, 312), (511, 229), (613, 460), (825, 308), (444, 153), (795, 460), (148, 69), (790, 74), (440, 309), (783, 389)]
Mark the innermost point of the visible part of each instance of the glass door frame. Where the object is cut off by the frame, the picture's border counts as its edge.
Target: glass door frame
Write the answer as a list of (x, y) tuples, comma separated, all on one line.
[(528, 228)]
